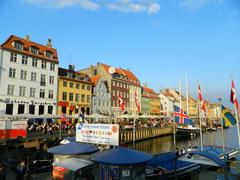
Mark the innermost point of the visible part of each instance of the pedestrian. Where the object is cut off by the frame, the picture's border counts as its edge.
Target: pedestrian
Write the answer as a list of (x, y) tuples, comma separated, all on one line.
[(2, 171), (20, 171)]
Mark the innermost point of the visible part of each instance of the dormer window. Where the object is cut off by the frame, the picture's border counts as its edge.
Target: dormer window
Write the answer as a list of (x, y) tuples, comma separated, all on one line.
[(34, 50), (18, 45), (49, 54)]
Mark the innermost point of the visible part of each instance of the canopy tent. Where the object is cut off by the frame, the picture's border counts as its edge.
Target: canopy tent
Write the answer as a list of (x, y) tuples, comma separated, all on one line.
[(73, 148), (73, 163), (121, 156)]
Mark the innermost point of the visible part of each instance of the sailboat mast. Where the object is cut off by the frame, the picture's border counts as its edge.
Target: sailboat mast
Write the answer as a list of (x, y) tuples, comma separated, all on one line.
[(180, 94), (187, 95)]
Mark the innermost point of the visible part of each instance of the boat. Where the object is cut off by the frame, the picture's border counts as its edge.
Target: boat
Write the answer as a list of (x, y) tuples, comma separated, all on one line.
[(211, 129), (187, 131)]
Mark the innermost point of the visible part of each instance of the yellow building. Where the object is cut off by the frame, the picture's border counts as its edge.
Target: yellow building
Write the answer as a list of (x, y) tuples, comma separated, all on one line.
[(74, 92), (193, 107), (154, 101)]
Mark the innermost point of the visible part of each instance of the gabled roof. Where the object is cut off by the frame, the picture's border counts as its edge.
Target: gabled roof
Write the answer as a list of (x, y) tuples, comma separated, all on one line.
[(132, 77), (94, 79), (117, 70), (148, 90), (26, 48)]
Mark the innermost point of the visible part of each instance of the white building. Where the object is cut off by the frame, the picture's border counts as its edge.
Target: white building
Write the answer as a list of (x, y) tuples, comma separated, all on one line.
[(28, 77)]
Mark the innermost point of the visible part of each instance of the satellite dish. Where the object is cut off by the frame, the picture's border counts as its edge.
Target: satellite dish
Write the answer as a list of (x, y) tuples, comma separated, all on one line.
[(111, 70)]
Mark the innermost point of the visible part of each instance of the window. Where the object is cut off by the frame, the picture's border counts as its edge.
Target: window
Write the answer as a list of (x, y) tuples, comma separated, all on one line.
[(77, 97), (24, 60), (99, 102), (70, 96), (10, 90), (113, 83), (120, 85), (34, 62), (49, 54), (42, 93), (83, 98), (52, 67), (23, 75), (50, 109), (64, 96), (43, 82), (13, 57), (18, 46), (44, 64), (117, 84), (94, 102), (34, 50), (71, 84), (83, 86), (64, 83), (88, 88), (77, 86), (12, 72), (88, 99), (114, 93), (32, 92), (107, 103), (22, 91), (33, 76), (50, 94), (51, 79)]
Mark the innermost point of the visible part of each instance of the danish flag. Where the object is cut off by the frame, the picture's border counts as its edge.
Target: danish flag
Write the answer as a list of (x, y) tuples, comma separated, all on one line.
[(233, 97), (136, 101), (121, 103), (201, 99)]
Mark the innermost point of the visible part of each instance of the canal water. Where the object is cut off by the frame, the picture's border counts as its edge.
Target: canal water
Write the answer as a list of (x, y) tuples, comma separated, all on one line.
[(164, 144)]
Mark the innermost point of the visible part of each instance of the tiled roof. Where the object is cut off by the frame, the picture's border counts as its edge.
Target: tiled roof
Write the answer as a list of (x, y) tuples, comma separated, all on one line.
[(94, 79), (132, 77), (148, 90), (26, 48)]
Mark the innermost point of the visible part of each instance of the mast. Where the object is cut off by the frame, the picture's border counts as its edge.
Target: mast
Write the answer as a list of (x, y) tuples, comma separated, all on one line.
[(180, 95), (187, 95)]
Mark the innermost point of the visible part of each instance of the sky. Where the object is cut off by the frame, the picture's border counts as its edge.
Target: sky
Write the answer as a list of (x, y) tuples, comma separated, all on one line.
[(160, 41)]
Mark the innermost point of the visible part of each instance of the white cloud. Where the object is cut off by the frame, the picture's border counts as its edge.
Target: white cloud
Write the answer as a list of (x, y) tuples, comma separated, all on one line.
[(130, 6), (197, 4), (85, 4)]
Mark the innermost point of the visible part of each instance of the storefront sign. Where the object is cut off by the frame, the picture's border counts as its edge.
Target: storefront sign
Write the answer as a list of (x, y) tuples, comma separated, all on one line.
[(107, 134)]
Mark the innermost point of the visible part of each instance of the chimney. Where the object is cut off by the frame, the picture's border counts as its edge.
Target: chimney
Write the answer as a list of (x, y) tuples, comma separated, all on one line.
[(49, 43), (71, 67), (27, 37)]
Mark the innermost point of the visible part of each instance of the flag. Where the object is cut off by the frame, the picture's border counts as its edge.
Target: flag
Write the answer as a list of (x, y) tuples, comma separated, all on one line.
[(201, 99), (181, 117), (121, 103), (233, 97), (64, 119), (136, 101), (227, 118)]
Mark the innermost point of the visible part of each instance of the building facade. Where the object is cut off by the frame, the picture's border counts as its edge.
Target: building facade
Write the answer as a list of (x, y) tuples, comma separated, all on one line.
[(28, 77), (119, 85), (101, 97), (135, 88), (74, 92), (146, 99)]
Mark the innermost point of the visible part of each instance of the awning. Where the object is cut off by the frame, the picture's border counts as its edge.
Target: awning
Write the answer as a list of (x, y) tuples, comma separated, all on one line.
[(121, 156), (73, 163), (73, 148)]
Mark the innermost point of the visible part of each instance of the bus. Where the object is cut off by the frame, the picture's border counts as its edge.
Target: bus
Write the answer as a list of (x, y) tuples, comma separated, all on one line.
[(13, 129)]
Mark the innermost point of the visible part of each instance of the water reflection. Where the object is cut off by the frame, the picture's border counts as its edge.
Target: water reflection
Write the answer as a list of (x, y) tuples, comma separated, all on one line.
[(164, 144)]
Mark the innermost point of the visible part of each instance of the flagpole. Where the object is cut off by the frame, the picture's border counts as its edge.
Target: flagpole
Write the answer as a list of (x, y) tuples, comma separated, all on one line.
[(200, 124), (187, 95), (236, 114), (223, 141)]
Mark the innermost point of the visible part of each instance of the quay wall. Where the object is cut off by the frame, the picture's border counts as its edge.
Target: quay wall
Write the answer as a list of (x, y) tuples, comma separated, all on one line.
[(127, 135)]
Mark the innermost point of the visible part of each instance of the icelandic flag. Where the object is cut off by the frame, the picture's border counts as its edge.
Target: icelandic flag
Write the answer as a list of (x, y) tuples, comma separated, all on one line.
[(181, 117)]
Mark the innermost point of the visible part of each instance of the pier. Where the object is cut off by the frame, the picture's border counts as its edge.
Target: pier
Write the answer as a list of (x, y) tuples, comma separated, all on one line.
[(127, 135)]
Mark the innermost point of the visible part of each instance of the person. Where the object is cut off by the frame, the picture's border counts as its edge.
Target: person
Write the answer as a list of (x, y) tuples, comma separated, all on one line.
[(20, 171), (2, 172)]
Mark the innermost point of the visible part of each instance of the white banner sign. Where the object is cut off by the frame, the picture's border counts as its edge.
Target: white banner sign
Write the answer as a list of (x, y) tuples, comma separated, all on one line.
[(107, 134)]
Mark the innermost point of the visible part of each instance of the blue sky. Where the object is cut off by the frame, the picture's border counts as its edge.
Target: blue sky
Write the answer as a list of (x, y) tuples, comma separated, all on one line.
[(159, 40)]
